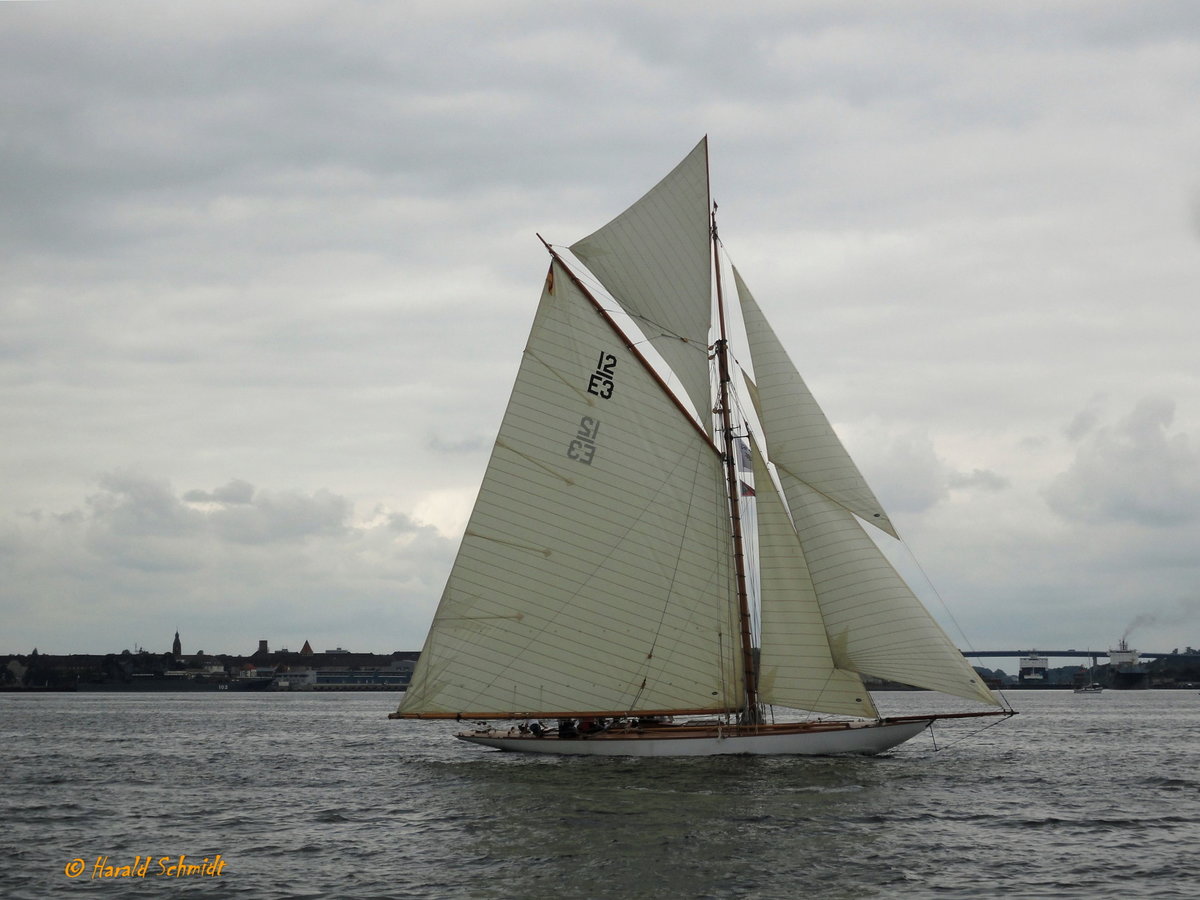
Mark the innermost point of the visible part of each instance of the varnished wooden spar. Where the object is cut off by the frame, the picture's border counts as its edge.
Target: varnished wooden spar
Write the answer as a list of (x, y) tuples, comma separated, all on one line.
[(753, 710), (621, 714), (576, 714), (1006, 713)]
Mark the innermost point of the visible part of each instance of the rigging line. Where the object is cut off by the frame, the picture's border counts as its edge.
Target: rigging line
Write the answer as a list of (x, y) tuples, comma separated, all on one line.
[(881, 514), (829, 680), (671, 377), (647, 336), (961, 633), (663, 331), (970, 734), (671, 590)]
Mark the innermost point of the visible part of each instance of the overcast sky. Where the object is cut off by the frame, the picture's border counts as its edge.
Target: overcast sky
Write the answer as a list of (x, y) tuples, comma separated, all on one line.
[(266, 270)]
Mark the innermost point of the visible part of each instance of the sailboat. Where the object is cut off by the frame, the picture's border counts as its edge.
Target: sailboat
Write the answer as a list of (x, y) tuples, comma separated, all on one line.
[(1091, 686), (654, 566)]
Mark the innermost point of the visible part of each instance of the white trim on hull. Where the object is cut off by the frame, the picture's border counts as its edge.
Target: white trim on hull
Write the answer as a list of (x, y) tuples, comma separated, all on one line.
[(865, 738)]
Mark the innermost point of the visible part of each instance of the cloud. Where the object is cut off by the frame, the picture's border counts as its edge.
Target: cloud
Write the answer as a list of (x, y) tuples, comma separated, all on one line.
[(912, 475), (981, 479), (476, 444), (1083, 424), (283, 516), (1135, 470), (295, 241), (138, 560), (236, 491)]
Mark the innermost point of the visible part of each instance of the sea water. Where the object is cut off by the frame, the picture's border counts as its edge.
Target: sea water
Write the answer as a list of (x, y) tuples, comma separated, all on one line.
[(320, 795)]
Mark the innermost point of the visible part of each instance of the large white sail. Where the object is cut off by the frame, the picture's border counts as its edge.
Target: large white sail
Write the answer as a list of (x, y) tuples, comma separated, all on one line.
[(800, 438), (796, 667), (595, 574), (876, 625), (655, 259)]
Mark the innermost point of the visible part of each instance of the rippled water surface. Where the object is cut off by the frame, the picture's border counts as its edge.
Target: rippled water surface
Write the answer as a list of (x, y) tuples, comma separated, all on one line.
[(321, 796)]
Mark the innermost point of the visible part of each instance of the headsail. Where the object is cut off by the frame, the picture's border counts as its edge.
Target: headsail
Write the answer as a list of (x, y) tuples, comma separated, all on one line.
[(594, 575), (654, 260), (876, 625), (796, 667), (874, 622), (799, 438)]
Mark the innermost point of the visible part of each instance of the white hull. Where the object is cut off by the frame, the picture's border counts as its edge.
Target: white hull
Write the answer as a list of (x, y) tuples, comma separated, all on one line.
[(858, 738)]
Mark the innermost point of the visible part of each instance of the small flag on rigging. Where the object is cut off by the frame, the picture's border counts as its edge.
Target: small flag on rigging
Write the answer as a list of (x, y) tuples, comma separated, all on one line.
[(744, 460)]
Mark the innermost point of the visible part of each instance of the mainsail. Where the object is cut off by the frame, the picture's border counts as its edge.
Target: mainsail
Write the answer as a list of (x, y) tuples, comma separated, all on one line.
[(594, 575)]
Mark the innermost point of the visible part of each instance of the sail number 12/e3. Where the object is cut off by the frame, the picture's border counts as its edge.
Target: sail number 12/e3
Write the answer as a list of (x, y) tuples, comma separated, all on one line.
[(601, 383)]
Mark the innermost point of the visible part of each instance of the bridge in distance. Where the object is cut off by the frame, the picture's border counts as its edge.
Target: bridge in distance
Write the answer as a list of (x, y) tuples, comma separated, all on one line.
[(1087, 654)]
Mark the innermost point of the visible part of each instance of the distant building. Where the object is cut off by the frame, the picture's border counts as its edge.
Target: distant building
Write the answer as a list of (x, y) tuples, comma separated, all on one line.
[(337, 670), (176, 647)]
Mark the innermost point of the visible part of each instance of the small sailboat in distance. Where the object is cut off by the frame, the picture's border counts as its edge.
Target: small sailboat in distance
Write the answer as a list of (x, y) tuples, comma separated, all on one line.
[(609, 578), (1091, 686)]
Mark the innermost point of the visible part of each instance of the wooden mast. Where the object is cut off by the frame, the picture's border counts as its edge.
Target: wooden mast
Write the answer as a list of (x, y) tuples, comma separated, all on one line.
[(752, 714)]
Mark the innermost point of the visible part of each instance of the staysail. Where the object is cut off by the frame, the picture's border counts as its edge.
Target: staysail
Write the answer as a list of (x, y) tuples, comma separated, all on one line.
[(594, 575), (800, 438), (796, 666)]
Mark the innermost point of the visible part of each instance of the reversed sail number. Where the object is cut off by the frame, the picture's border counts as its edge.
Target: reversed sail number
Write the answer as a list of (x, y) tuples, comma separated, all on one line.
[(583, 448)]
